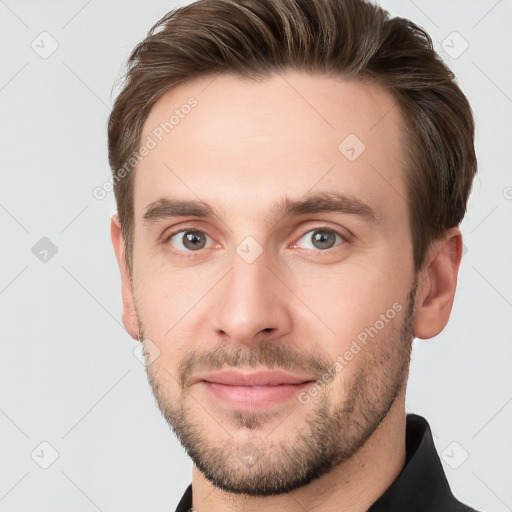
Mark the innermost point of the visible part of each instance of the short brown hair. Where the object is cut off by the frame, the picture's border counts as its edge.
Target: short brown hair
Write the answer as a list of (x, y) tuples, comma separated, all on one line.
[(353, 39)]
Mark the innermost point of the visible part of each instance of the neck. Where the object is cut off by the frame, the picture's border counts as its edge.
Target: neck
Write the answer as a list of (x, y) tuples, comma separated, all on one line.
[(350, 487)]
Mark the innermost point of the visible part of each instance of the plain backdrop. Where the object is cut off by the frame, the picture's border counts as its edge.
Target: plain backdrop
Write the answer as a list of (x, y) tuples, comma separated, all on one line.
[(79, 428)]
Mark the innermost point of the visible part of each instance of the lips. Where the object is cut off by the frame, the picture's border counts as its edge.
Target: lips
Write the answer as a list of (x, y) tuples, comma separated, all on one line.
[(256, 380), (253, 390)]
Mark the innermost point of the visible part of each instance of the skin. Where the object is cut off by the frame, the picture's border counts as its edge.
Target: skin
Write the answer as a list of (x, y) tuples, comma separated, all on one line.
[(245, 146)]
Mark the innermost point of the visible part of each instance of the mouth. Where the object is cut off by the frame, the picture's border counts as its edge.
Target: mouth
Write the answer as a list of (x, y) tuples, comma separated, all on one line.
[(254, 379), (253, 390)]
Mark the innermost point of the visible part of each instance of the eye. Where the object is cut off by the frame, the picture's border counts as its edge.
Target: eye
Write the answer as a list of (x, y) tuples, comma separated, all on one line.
[(188, 240), (320, 239)]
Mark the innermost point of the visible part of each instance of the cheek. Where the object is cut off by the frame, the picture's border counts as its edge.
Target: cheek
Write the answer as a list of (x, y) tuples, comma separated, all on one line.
[(165, 302), (340, 303)]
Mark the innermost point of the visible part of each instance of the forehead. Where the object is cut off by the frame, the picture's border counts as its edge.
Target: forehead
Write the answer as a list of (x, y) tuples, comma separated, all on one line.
[(286, 134)]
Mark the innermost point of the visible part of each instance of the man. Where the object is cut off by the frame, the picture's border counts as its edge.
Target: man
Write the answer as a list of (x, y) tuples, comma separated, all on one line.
[(290, 177)]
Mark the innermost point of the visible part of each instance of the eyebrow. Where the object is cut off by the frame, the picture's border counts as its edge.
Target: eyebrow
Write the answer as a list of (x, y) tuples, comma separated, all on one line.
[(323, 202)]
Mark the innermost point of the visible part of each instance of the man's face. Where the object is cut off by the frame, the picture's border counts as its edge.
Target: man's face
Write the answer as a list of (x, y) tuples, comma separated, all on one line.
[(312, 293)]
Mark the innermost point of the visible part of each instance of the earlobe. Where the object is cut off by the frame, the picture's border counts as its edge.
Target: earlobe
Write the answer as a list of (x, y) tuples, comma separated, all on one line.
[(437, 284), (130, 318)]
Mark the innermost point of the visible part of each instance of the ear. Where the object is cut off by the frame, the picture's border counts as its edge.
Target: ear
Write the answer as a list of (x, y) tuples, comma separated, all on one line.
[(437, 283), (130, 318)]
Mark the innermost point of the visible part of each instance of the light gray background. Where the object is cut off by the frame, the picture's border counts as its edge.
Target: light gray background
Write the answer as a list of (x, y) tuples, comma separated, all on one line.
[(68, 374)]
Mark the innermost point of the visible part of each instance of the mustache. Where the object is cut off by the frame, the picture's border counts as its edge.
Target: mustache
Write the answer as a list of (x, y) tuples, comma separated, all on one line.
[(267, 354)]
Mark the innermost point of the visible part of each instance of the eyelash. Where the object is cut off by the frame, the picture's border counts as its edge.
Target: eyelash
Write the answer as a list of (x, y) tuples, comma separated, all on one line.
[(327, 229)]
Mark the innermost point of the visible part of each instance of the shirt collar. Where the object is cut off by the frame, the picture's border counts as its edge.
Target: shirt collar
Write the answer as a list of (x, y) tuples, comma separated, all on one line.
[(421, 485)]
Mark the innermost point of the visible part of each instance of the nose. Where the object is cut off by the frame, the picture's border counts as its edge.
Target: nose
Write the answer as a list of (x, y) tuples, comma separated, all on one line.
[(252, 303)]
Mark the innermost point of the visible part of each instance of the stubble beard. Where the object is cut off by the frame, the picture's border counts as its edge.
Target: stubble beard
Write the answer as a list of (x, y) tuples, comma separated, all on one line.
[(333, 429)]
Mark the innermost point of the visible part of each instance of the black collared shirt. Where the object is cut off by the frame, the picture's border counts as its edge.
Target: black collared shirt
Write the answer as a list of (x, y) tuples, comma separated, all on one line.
[(421, 486)]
